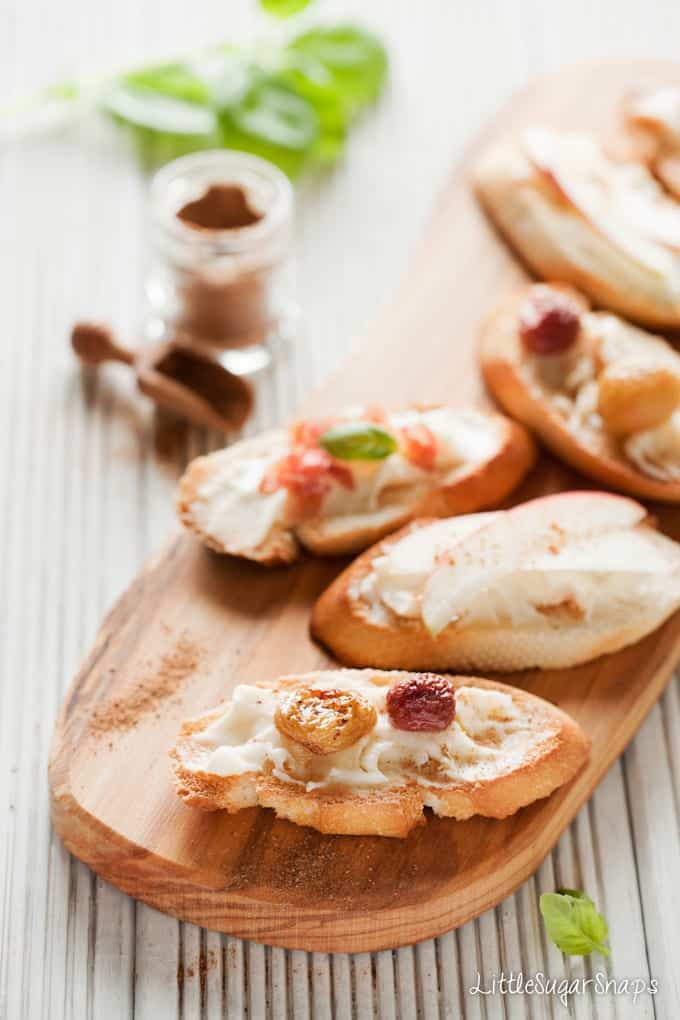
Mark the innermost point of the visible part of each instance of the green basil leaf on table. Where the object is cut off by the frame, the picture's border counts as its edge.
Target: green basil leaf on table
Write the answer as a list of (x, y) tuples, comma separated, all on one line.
[(284, 8), (573, 923), (227, 74), (358, 441), (355, 58), (161, 126), (273, 122), (175, 80), (313, 81), (291, 103)]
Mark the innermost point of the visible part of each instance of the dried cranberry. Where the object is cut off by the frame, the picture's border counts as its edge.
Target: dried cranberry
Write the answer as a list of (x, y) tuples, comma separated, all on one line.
[(423, 703), (549, 321)]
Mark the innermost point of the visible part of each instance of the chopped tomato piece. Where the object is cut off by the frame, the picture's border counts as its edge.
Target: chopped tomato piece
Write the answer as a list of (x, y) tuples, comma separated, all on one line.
[(307, 474), (306, 433), (342, 474), (420, 446)]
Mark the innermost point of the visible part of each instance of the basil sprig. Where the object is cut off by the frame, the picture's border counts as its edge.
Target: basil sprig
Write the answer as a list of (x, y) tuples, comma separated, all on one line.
[(359, 440), (284, 8), (573, 923), (290, 100)]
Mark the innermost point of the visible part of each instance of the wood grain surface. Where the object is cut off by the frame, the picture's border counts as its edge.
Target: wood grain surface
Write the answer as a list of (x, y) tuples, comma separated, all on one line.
[(207, 623)]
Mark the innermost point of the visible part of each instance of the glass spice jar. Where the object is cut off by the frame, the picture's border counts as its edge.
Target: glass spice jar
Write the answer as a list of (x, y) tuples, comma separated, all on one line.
[(221, 276)]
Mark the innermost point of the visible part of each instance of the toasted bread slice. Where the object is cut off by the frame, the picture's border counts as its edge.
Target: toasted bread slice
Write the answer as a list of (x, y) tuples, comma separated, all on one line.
[(573, 215), (269, 529), (584, 442), (503, 749), (551, 583)]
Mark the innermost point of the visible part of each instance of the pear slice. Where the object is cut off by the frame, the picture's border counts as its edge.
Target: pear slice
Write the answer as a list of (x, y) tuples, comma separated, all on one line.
[(622, 202), (512, 539)]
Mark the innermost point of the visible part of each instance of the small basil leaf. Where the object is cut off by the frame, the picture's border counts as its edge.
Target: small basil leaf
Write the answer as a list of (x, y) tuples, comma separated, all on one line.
[(161, 127), (157, 112), (573, 923), (576, 894), (174, 80), (358, 441), (273, 122), (284, 8), (227, 75), (312, 80), (63, 90), (355, 58)]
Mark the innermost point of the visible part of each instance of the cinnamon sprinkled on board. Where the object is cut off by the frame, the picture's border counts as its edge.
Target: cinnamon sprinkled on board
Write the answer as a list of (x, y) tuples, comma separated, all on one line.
[(124, 711)]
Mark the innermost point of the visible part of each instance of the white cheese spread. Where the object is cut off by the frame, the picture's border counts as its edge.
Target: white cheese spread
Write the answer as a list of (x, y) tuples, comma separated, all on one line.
[(489, 736)]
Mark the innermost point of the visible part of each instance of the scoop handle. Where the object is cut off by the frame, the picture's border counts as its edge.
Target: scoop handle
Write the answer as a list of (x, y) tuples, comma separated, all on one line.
[(94, 342)]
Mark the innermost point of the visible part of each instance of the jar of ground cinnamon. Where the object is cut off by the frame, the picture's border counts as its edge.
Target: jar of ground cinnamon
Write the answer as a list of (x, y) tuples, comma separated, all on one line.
[(221, 278)]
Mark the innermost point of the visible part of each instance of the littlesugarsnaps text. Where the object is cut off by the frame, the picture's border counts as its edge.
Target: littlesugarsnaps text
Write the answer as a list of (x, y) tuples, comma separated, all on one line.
[(517, 983)]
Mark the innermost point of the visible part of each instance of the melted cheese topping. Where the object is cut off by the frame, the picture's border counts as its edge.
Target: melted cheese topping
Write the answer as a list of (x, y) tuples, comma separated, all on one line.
[(489, 736), (230, 508), (608, 575)]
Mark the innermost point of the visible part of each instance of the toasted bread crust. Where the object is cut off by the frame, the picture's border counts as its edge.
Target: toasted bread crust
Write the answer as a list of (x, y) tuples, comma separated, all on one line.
[(476, 487), (495, 189), (343, 623), (499, 359), (281, 546), (396, 810)]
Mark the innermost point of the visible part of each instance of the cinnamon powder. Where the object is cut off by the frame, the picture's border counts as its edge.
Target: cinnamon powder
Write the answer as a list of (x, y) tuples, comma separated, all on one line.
[(147, 693), (220, 207), (226, 305)]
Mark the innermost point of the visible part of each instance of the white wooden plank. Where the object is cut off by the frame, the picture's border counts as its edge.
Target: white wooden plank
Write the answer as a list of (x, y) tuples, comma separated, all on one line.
[(214, 977), (342, 986), (321, 987), (471, 972), (256, 977), (192, 964), (449, 976), (299, 985), (386, 1002), (235, 978), (279, 991), (655, 825), (364, 1004), (406, 983), (427, 977), (157, 990)]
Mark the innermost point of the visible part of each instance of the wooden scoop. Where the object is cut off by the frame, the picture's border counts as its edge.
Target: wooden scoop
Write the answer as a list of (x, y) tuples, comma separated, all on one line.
[(189, 384)]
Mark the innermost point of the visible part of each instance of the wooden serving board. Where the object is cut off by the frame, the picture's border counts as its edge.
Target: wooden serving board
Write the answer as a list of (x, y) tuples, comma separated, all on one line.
[(193, 624)]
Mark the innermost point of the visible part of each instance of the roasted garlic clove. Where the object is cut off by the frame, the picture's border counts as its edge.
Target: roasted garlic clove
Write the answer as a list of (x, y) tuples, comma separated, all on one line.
[(325, 720), (636, 394)]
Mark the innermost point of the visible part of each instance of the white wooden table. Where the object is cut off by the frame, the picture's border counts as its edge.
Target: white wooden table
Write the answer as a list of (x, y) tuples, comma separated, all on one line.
[(86, 498)]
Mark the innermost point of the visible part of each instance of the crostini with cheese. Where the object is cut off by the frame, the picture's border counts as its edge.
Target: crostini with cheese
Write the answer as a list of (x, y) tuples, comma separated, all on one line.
[(602, 394), (336, 485), (360, 752), (576, 215), (551, 584)]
